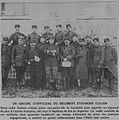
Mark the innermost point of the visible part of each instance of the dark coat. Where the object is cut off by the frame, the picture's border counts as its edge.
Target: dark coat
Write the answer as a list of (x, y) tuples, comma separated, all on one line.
[(97, 56), (68, 51), (50, 59), (33, 37), (19, 55), (5, 55), (59, 37), (35, 52), (110, 60), (82, 63), (14, 37)]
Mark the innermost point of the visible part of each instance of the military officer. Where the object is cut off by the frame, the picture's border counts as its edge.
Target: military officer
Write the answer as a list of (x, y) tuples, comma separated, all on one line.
[(69, 32), (15, 36), (19, 59), (33, 36), (5, 60), (67, 58), (51, 63), (35, 58), (97, 63), (59, 35), (110, 64)]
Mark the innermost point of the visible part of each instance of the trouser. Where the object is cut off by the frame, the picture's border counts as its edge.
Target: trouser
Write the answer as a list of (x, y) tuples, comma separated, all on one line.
[(20, 74), (66, 76), (5, 72), (35, 76), (96, 77), (43, 75), (108, 75), (52, 76)]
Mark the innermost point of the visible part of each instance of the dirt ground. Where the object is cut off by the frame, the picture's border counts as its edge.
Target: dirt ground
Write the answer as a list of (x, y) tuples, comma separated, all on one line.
[(26, 92)]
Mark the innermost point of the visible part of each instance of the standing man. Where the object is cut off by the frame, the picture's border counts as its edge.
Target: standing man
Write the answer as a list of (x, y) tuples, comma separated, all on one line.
[(110, 64), (19, 59), (16, 35), (35, 58), (59, 35), (81, 66), (97, 63), (67, 59), (5, 60), (51, 64), (89, 46), (69, 32), (47, 33), (33, 36)]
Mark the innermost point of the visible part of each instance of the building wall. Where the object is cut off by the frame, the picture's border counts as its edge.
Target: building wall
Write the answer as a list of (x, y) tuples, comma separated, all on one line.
[(95, 18)]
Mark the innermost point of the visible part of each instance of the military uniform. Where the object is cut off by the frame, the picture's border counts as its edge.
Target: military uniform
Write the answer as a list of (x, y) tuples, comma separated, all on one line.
[(110, 63), (15, 37), (35, 67), (18, 58), (59, 37), (96, 64), (33, 37), (5, 62), (51, 64), (69, 53), (82, 65)]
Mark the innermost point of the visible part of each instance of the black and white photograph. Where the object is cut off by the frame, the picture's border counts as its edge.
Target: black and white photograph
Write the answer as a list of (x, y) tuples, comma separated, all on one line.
[(59, 49)]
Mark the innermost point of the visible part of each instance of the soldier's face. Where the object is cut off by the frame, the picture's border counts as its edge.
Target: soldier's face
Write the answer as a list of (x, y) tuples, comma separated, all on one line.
[(42, 40), (17, 29), (75, 38), (69, 28), (107, 43), (20, 41), (81, 43), (96, 43), (58, 28), (51, 41), (47, 30), (88, 40), (5, 42), (34, 30)]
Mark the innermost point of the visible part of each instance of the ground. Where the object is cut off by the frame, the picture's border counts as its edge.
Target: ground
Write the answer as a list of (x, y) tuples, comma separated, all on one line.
[(26, 92)]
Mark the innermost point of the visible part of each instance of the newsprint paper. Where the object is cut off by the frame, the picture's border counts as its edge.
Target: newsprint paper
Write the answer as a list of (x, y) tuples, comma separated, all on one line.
[(59, 60)]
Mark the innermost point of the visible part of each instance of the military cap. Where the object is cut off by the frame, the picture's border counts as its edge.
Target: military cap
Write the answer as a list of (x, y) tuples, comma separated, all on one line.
[(59, 25), (17, 25), (34, 26), (68, 25), (96, 39), (81, 40), (5, 39), (87, 36), (75, 35), (46, 27), (106, 40)]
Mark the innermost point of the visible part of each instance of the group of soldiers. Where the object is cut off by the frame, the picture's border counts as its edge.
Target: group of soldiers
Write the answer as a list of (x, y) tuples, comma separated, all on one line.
[(81, 61)]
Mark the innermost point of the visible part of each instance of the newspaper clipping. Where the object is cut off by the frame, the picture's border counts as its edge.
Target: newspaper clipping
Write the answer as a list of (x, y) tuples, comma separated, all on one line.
[(59, 60)]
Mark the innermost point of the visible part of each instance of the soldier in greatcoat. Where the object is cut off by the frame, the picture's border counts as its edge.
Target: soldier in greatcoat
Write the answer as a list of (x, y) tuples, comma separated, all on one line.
[(5, 60), (82, 64), (18, 59), (110, 64), (51, 64), (35, 58), (67, 59), (96, 63)]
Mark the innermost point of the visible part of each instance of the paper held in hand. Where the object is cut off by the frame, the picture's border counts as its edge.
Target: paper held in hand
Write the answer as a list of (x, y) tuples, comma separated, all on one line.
[(37, 59), (66, 64)]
